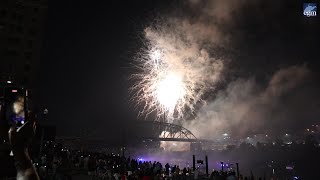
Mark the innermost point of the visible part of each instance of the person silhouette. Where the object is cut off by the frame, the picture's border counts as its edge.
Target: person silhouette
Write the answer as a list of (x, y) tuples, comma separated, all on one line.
[(20, 138)]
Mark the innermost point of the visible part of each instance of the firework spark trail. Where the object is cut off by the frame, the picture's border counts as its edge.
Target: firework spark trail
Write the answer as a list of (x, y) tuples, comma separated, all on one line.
[(176, 69)]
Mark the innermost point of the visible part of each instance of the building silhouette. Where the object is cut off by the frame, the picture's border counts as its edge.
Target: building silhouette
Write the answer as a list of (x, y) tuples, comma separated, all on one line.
[(22, 25)]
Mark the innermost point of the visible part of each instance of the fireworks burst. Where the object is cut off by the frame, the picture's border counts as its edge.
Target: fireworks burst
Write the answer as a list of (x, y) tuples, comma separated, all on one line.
[(175, 71)]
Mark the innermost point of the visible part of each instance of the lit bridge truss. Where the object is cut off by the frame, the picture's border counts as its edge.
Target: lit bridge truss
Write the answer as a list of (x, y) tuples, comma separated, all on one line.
[(162, 131)]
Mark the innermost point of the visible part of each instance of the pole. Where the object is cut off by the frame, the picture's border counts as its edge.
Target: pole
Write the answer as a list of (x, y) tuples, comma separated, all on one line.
[(207, 170), (194, 162), (238, 173), (221, 166), (45, 113), (41, 140)]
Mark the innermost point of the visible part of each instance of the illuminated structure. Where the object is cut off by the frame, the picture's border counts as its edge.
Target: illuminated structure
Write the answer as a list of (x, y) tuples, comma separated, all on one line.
[(169, 132)]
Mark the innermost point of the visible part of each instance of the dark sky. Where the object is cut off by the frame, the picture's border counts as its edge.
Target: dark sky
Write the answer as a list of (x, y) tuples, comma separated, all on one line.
[(86, 63), (89, 46)]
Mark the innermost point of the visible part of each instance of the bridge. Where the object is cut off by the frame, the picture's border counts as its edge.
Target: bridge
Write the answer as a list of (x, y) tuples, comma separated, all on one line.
[(162, 131), (171, 132)]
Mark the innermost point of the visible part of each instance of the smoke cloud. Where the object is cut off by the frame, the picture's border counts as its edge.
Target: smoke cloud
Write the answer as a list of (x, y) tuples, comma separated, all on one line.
[(244, 107)]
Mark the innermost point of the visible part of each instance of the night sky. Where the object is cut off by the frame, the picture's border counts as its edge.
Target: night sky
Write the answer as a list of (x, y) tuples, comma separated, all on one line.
[(86, 63), (89, 47)]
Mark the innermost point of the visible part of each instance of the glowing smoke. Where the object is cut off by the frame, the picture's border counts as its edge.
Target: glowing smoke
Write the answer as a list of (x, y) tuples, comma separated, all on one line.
[(176, 68)]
